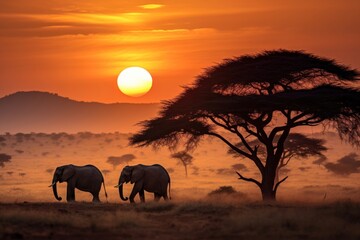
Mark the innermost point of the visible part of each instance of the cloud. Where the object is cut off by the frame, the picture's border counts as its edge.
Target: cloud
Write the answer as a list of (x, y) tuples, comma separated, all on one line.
[(345, 166), (151, 6), (51, 25)]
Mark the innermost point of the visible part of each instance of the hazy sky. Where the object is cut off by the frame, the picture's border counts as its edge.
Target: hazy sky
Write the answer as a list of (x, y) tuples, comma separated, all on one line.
[(76, 48)]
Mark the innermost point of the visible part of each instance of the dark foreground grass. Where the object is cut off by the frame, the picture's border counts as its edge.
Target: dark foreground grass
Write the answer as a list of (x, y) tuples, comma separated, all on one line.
[(187, 220)]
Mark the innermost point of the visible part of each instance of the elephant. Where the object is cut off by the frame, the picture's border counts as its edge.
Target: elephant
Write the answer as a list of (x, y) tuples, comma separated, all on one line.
[(152, 178), (86, 178)]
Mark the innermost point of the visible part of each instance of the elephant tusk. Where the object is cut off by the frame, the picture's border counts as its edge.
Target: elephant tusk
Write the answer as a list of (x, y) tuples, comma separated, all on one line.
[(117, 186), (52, 184)]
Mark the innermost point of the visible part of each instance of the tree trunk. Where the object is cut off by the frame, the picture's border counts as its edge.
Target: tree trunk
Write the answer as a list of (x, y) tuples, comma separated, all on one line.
[(267, 185), (185, 170), (268, 194)]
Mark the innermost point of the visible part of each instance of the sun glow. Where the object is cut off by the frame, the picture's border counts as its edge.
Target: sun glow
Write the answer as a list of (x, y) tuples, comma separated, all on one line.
[(134, 81)]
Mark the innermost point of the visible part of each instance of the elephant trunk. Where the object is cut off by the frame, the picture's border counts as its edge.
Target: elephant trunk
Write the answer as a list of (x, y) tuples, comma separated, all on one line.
[(55, 188), (121, 192)]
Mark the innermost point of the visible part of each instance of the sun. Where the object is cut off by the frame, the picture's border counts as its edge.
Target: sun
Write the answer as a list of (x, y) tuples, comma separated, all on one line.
[(134, 81)]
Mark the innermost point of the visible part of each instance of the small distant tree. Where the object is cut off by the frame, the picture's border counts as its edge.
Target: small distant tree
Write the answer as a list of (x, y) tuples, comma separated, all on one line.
[(4, 158), (115, 161), (184, 158), (263, 96), (85, 135), (222, 190), (296, 146), (105, 171)]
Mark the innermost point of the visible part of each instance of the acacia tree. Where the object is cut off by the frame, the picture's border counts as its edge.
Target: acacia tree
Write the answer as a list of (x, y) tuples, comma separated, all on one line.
[(296, 146), (115, 161), (262, 96), (185, 158)]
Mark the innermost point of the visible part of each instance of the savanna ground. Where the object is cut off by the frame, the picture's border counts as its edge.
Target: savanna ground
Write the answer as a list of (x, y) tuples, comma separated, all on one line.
[(180, 220), (28, 209)]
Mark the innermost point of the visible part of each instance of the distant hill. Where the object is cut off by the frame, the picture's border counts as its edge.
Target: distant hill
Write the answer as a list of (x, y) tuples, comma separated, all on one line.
[(47, 112)]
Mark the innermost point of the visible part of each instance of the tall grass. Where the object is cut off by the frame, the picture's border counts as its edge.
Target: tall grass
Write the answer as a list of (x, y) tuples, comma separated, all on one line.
[(186, 220)]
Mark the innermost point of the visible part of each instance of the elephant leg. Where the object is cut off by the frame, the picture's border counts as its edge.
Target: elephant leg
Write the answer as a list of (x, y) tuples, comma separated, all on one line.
[(166, 198), (70, 194), (142, 195), (137, 188), (96, 197), (157, 197)]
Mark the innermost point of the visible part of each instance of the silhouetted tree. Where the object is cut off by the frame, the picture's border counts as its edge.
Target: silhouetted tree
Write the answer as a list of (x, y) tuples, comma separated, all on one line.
[(115, 161), (296, 146), (223, 190), (184, 158), (4, 158), (345, 166), (262, 96), (105, 171)]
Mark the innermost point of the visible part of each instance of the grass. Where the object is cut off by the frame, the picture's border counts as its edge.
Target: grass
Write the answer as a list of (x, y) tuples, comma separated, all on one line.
[(180, 220)]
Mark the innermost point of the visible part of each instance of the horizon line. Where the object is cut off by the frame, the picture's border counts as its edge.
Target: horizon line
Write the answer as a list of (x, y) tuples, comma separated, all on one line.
[(75, 100)]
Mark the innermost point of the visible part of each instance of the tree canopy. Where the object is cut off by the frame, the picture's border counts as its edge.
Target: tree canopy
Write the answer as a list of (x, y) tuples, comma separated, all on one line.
[(124, 159), (185, 158), (260, 96)]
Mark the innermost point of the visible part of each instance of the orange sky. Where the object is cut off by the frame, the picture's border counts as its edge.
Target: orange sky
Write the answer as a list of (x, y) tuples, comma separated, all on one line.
[(76, 48)]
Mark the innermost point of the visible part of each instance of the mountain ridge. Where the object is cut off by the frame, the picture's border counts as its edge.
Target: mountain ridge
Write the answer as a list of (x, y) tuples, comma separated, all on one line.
[(37, 111)]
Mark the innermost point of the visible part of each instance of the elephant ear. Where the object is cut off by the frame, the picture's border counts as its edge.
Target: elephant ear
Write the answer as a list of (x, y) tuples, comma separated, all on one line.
[(137, 174), (68, 172)]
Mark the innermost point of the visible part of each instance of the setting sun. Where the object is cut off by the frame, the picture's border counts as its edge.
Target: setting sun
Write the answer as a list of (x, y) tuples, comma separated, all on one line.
[(134, 81)]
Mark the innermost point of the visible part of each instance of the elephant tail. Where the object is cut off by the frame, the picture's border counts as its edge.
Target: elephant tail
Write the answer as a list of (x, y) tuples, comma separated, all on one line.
[(169, 190), (105, 190)]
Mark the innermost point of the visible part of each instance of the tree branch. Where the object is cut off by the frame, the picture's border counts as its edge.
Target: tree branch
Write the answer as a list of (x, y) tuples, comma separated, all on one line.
[(248, 179), (280, 144), (277, 184), (243, 140), (252, 155), (232, 146), (308, 122), (275, 131), (298, 117), (227, 127), (288, 160), (233, 130)]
